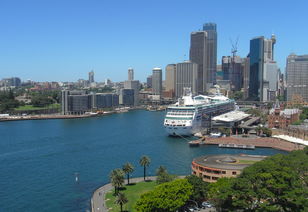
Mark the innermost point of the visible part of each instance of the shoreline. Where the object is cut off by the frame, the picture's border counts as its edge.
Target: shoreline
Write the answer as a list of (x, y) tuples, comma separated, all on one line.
[(59, 116), (268, 142), (98, 197)]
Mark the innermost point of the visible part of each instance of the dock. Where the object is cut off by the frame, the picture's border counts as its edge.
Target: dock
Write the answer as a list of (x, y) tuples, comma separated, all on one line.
[(237, 146), (267, 142)]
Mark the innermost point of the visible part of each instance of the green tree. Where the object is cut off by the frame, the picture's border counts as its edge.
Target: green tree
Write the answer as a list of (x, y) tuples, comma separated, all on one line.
[(200, 188), (127, 169), (163, 176), (277, 183), (145, 162), (117, 179), (237, 95), (121, 200), (169, 196)]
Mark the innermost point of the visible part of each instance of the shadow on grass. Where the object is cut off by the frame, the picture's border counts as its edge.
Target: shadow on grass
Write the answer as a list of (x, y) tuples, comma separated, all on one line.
[(122, 189), (131, 184)]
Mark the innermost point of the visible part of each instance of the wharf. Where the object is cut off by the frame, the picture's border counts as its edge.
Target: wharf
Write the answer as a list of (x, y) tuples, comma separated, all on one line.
[(237, 146), (43, 117), (267, 142)]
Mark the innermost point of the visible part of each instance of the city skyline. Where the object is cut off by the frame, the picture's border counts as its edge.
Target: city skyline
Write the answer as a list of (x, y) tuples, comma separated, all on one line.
[(63, 41)]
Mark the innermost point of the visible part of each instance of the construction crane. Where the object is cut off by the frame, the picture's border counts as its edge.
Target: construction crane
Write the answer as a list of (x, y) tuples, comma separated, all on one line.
[(234, 46)]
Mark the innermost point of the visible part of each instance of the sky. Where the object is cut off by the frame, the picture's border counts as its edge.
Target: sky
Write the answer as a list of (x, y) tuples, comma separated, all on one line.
[(62, 40)]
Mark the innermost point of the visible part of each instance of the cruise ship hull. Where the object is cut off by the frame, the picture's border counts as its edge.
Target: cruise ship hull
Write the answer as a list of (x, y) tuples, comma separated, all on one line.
[(181, 131)]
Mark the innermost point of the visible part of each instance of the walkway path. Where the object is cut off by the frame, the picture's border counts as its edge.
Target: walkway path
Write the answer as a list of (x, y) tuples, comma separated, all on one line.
[(98, 198)]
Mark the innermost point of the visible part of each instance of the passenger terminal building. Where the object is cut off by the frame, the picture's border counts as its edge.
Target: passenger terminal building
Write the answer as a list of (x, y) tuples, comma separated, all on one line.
[(212, 167)]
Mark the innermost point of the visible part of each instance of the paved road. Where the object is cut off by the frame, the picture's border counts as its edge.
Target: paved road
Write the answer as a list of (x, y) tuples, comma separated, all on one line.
[(98, 198)]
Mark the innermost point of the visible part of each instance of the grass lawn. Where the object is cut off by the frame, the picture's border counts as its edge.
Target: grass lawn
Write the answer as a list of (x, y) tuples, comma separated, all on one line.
[(247, 161), (31, 107), (132, 193)]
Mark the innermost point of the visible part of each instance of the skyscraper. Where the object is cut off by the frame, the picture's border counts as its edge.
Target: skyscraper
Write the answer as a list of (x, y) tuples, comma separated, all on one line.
[(133, 84), (211, 51), (157, 81), (91, 77), (297, 76), (197, 54), (130, 74), (232, 67), (203, 51), (170, 78), (186, 77), (149, 81), (261, 57)]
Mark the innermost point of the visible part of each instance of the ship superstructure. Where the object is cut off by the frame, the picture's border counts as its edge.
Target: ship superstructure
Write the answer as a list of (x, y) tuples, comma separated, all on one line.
[(190, 114)]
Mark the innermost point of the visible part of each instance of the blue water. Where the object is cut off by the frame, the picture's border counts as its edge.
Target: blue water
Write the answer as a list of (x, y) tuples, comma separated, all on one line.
[(39, 159)]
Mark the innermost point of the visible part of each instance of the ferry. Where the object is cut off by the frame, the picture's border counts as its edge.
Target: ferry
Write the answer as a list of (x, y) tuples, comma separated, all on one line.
[(191, 113)]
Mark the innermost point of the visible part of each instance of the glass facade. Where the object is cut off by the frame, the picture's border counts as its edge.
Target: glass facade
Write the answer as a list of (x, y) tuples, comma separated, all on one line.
[(256, 68)]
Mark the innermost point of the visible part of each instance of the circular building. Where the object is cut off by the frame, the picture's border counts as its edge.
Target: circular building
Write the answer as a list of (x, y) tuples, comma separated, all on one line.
[(212, 167)]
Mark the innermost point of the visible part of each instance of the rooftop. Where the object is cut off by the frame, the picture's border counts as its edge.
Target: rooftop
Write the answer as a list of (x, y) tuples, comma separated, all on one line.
[(232, 116), (232, 162)]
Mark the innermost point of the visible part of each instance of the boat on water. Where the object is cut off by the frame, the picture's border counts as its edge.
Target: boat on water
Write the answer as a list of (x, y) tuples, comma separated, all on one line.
[(193, 113)]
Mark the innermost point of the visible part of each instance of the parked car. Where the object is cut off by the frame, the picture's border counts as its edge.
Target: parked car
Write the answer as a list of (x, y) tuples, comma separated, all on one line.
[(207, 205)]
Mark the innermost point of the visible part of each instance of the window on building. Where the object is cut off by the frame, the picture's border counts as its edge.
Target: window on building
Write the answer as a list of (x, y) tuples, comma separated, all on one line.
[(234, 173), (223, 172)]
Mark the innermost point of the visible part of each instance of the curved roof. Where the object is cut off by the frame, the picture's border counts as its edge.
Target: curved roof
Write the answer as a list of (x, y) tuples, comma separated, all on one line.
[(228, 162)]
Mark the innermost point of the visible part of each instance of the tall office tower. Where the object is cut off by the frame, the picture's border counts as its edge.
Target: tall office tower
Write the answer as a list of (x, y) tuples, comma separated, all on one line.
[(297, 76), (149, 81), (133, 84), (232, 67), (197, 54), (157, 81), (246, 68), (170, 78), (91, 76), (211, 51), (261, 56), (130, 74), (186, 77)]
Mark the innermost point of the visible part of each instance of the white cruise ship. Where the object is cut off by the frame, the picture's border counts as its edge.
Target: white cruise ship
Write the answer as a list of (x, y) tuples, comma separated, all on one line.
[(190, 114)]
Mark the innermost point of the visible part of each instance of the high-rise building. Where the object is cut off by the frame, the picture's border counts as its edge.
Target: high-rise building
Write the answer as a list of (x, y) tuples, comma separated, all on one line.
[(297, 76), (127, 97), (186, 77), (232, 67), (149, 81), (203, 51), (246, 72), (197, 54), (211, 51), (157, 81), (91, 76), (170, 78), (79, 102), (261, 55), (13, 81), (130, 74), (133, 84)]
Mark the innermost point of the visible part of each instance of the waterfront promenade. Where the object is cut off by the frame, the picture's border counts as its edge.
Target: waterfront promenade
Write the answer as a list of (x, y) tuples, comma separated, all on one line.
[(257, 142), (98, 198)]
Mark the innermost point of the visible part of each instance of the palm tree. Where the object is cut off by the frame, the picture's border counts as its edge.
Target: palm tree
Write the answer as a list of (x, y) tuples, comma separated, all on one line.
[(121, 200), (117, 179), (161, 170), (127, 169), (145, 162)]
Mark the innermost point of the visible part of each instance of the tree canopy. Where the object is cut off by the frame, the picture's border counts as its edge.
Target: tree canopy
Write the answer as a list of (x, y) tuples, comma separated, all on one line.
[(278, 183), (165, 197)]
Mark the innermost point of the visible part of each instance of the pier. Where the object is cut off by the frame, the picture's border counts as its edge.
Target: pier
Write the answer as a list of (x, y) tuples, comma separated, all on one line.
[(267, 142)]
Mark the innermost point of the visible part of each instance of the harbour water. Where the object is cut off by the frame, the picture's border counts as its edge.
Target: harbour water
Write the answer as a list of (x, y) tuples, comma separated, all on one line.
[(39, 159)]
